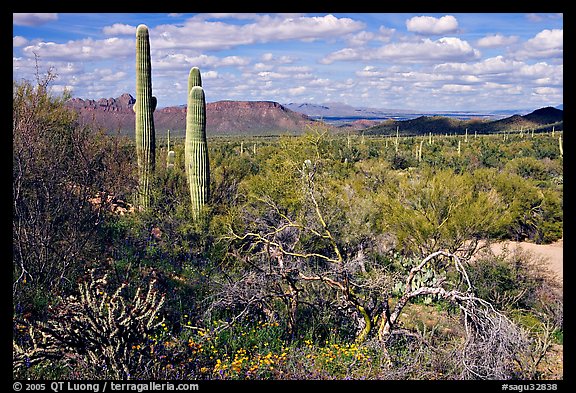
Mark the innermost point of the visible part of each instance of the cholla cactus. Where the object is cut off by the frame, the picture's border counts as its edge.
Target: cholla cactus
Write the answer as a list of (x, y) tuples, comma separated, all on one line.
[(144, 109), (100, 327)]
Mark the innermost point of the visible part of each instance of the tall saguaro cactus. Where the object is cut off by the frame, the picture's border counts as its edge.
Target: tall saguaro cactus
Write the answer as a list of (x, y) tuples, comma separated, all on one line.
[(196, 146), (144, 109)]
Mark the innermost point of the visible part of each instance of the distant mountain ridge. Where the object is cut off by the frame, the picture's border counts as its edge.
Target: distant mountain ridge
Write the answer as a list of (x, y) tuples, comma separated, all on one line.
[(540, 120), (222, 117), (272, 118), (335, 110)]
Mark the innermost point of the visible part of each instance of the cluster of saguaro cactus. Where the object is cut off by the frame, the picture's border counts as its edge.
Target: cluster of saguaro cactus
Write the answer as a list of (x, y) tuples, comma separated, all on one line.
[(144, 109), (196, 147)]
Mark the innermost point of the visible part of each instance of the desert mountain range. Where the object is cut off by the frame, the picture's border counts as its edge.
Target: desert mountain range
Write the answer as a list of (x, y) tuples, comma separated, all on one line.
[(222, 117), (271, 118)]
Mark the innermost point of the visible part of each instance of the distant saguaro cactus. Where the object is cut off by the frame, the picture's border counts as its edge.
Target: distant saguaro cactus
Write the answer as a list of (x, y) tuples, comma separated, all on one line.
[(196, 146), (144, 109), (168, 139), (420, 151), (170, 156)]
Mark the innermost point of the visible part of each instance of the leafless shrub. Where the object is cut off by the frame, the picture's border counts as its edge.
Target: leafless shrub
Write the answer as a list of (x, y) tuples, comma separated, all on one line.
[(59, 168), (495, 346)]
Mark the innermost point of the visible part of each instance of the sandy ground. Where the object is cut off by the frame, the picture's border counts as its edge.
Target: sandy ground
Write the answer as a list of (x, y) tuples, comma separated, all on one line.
[(552, 253)]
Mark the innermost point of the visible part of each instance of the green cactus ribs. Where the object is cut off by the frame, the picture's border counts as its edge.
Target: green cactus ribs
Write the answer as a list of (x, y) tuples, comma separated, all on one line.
[(194, 78), (144, 122), (196, 147)]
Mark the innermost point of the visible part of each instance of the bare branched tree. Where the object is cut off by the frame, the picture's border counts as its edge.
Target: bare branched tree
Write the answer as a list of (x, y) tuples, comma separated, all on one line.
[(288, 255)]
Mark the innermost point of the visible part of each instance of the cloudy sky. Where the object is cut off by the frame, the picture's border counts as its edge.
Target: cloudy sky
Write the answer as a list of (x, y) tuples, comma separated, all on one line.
[(426, 62)]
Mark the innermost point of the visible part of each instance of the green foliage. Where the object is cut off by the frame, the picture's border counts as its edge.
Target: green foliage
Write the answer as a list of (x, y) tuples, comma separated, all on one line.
[(534, 213), (439, 210)]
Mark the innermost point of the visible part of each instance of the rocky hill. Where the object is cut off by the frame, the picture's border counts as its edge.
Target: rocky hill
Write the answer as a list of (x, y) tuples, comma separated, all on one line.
[(222, 117), (546, 115), (540, 120)]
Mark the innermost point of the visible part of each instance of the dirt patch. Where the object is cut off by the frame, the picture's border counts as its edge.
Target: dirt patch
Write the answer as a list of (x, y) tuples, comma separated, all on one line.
[(551, 254)]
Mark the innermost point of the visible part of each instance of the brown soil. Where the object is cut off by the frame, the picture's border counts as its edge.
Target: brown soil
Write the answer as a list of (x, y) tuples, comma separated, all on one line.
[(551, 254)]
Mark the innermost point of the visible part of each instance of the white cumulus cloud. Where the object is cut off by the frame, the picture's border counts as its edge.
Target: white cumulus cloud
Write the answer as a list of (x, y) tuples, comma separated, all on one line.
[(496, 40), (297, 90), (19, 41), (119, 29), (217, 35), (454, 88), (426, 50), (547, 43), (85, 49), (431, 25), (31, 19)]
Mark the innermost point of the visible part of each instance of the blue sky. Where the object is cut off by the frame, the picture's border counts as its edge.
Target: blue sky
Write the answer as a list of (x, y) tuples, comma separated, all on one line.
[(425, 62)]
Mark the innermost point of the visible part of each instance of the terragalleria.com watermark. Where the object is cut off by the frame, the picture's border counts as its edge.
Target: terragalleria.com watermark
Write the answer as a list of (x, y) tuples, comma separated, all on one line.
[(103, 386)]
